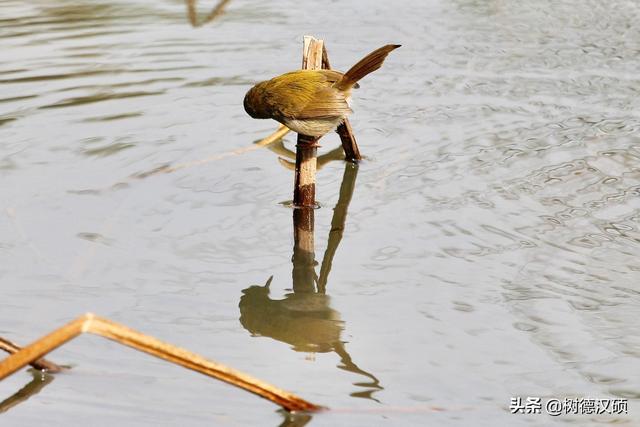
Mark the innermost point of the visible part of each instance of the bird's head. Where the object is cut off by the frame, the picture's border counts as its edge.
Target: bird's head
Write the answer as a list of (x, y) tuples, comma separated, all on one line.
[(254, 102)]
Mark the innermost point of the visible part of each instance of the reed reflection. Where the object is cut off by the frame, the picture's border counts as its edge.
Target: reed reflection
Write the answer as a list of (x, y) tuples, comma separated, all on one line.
[(304, 318), (192, 12), (294, 419), (287, 157), (37, 383)]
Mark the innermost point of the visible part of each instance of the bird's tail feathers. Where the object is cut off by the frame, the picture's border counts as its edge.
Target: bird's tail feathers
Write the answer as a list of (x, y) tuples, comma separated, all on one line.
[(366, 65)]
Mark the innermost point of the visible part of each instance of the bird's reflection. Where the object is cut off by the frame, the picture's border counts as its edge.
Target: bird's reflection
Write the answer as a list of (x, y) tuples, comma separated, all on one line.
[(304, 318), (38, 382)]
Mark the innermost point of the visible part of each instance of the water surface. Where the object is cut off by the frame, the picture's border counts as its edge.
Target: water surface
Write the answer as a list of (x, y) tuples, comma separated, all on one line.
[(488, 245)]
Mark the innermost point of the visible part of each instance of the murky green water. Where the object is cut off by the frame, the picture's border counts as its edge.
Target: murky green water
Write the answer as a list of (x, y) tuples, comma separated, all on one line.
[(490, 242)]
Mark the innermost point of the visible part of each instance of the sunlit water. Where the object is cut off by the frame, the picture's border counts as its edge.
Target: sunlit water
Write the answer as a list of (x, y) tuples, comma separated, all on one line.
[(490, 248)]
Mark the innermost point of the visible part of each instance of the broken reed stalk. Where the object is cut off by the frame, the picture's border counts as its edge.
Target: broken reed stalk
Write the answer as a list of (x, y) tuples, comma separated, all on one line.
[(304, 193), (93, 324), (304, 190), (39, 364), (349, 145), (275, 136), (344, 130)]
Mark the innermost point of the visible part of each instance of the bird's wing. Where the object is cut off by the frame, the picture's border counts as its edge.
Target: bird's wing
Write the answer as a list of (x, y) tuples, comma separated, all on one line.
[(334, 76), (327, 102), (307, 94)]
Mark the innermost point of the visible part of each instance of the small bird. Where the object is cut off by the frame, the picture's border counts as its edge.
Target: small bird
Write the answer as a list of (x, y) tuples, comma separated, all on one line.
[(311, 102)]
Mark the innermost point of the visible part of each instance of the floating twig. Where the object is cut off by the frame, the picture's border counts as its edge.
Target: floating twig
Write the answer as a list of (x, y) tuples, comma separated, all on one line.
[(90, 323)]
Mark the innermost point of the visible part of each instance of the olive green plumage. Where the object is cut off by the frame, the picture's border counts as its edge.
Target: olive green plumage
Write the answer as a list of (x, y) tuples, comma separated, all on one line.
[(311, 102)]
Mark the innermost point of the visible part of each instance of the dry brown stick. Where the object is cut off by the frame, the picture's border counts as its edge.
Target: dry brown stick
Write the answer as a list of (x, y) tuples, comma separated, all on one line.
[(345, 132), (278, 134), (40, 364), (275, 136), (304, 193), (99, 326), (304, 190), (349, 144), (168, 168)]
